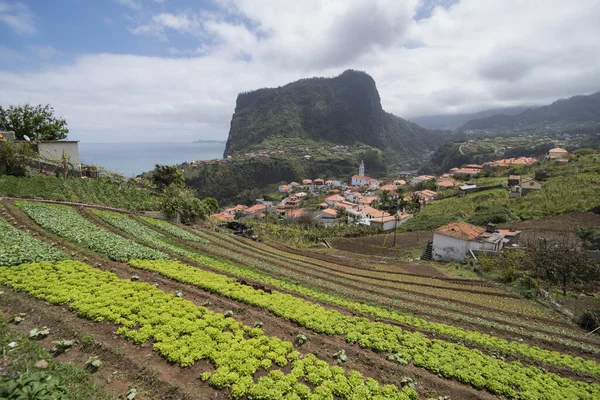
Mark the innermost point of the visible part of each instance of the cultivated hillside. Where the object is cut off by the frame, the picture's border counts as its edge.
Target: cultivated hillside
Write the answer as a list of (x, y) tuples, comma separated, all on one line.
[(342, 110), (576, 109)]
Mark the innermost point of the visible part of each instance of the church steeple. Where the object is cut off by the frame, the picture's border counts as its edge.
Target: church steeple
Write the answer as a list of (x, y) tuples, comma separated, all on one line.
[(361, 169)]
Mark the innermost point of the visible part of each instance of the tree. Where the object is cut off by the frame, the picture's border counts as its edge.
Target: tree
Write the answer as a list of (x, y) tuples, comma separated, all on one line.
[(402, 203), (385, 199), (342, 214), (166, 175), (210, 204), (182, 205), (14, 158), (415, 203), (561, 261), (37, 122)]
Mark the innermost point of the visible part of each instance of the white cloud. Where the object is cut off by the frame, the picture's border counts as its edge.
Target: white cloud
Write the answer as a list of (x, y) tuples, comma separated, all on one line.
[(17, 17), (471, 56), (133, 4), (161, 24)]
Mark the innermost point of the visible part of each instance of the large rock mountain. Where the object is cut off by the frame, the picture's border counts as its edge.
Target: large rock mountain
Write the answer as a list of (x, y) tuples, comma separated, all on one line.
[(343, 110), (576, 109)]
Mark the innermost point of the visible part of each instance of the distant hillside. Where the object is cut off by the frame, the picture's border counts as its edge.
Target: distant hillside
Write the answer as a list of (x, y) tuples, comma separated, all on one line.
[(573, 110), (455, 120), (342, 110)]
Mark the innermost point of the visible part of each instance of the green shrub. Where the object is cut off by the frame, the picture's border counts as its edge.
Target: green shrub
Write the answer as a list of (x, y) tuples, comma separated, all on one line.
[(424, 222), (589, 320), (33, 385), (495, 214)]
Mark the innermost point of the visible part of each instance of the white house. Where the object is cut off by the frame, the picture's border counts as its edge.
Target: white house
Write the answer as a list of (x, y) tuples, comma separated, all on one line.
[(328, 217), (353, 196), (333, 199), (452, 242), (359, 180)]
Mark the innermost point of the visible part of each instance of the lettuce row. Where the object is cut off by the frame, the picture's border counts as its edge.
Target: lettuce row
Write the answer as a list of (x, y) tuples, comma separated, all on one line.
[(66, 222), (185, 333), (466, 365)]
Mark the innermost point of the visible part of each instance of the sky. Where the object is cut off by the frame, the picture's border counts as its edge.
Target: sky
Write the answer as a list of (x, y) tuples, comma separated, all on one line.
[(170, 70)]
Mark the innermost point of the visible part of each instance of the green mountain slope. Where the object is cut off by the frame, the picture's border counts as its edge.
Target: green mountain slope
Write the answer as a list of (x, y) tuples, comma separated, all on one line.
[(342, 110), (576, 109)]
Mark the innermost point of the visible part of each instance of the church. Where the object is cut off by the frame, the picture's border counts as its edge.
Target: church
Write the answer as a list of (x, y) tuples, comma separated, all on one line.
[(362, 180)]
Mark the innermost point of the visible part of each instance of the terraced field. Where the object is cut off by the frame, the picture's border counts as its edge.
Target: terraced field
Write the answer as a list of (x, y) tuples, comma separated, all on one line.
[(231, 318)]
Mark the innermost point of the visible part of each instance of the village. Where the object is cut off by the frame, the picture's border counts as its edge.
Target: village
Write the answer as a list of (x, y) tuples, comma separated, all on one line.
[(386, 204)]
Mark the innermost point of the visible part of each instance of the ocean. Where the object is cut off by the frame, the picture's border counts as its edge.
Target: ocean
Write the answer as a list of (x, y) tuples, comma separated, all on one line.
[(132, 159)]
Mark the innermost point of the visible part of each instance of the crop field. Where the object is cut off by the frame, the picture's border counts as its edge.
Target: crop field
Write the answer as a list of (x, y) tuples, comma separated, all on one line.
[(182, 313)]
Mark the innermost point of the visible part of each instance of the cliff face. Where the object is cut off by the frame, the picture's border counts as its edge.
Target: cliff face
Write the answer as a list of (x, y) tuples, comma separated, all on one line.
[(341, 110)]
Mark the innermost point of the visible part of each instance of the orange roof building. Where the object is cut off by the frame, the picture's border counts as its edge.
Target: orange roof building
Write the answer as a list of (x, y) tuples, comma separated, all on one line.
[(465, 172), (257, 208), (329, 213), (509, 162), (224, 217), (456, 240), (367, 199), (557, 152), (294, 213), (446, 182), (389, 188), (460, 230)]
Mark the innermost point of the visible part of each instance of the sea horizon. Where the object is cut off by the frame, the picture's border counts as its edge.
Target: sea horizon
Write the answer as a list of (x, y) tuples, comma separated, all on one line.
[(134, 158)]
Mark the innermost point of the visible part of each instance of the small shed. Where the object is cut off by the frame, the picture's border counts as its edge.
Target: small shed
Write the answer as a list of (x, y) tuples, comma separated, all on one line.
[(529, 185), (465, 189)]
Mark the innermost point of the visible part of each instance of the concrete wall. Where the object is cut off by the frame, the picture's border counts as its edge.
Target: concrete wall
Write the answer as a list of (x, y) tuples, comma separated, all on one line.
[(447, 248), (54, 150), (451, 249)]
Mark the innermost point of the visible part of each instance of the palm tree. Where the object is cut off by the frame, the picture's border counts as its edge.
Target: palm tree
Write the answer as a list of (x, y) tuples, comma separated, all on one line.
[(385, 199)]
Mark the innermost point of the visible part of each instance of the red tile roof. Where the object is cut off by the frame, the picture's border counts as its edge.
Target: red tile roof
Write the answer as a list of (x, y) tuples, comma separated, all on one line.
[(295, 213), (256, 208), (335, 197), (508, 232), (330, 212), (367, 199), (389, 188), (368, 210), (222, 217), (460, 230)]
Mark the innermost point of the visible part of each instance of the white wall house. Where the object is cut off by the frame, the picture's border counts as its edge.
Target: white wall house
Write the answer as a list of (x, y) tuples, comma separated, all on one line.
[(353, 197), (359, 180), (452, 242), (52, 150)]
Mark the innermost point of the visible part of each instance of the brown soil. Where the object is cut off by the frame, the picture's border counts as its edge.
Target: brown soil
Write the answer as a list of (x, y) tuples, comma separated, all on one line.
[(505, 334), (425, 270), (362, 360), (124, 364), (407, 244), (367, 362), (565, 223)]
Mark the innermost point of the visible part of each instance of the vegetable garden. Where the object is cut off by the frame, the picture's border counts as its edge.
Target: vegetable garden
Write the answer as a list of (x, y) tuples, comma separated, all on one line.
[(488, 340)]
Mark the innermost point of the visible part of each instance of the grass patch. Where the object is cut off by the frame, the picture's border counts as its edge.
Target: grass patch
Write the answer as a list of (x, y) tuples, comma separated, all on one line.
[(22, 358), (90, 191)]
